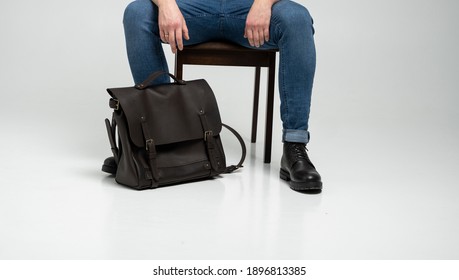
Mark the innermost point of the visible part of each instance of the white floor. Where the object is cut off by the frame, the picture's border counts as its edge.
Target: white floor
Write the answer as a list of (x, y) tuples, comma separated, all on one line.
[(393, 199), (384, 130)]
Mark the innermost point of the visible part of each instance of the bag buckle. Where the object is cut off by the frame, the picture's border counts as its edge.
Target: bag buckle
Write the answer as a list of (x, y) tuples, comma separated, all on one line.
[(114, 103), (148, 144), (207, 134)]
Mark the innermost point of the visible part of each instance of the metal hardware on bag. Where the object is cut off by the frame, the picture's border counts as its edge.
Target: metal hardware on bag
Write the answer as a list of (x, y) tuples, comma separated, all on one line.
[(207, 134), (148, 143), (114, 104), (139, 86)]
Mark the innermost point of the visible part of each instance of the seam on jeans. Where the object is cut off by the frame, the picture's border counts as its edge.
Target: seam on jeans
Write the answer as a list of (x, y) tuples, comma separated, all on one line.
[(222, 6), (199, 16), (282, 89), (236, 17)]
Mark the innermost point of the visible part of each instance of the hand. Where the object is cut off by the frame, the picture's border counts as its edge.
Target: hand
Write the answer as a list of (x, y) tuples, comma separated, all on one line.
[(172, 25), (257, 23)]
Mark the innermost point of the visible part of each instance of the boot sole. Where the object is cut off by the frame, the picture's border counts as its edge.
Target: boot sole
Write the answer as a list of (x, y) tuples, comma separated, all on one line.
[(109, 169), (300, 186)]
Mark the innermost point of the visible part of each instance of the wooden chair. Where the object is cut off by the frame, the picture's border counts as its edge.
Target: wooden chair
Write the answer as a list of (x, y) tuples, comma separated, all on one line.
[(229, 54)]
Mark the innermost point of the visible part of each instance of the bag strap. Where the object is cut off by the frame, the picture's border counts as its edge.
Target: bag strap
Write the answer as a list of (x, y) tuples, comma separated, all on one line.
[(156, 75), (150, 147), (216, 155), (111, 130), (232, 168)]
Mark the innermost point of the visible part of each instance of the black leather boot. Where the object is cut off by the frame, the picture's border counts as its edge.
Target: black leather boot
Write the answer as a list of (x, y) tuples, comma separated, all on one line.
[(110, 165), (298, 170)]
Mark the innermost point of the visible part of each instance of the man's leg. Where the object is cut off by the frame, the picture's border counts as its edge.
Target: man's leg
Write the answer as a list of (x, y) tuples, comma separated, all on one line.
[(291, 31), (143, 43)]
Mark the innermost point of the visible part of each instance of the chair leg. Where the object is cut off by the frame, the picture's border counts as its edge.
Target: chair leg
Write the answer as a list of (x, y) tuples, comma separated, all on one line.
[(256, 98), (178, 72), (269, 109)]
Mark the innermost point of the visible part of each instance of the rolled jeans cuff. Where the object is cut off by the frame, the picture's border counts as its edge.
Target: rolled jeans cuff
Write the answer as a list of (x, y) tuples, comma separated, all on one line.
[(296, 136)]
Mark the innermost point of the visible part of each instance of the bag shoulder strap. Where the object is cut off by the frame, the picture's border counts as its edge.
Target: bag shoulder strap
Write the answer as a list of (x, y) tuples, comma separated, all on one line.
[(232, 168), (111, 130)]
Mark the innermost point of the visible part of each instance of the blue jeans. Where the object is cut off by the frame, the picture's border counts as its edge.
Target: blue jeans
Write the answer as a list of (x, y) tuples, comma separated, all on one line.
[(291, 31)]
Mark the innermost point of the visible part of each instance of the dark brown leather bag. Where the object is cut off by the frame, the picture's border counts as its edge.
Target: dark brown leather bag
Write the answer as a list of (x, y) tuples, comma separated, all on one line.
[(167, 134)]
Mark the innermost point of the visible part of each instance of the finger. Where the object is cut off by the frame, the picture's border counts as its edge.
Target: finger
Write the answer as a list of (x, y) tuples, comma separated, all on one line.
[(249, 34), (266, 34), (178, 38), (261, 37), (162, 36), (166, 37), (185, 31), (170, 38), (256, 38)]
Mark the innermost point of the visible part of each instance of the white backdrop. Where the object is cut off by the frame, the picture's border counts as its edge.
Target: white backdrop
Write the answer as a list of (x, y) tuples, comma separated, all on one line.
[(390, 64)]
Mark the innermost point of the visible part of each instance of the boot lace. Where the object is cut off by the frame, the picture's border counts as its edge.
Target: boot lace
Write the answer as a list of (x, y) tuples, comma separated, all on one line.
[(299, 151)]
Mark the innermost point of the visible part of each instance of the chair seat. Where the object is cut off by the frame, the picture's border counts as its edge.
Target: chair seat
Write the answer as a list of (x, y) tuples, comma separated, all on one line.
[(225, 46), (225, 54)]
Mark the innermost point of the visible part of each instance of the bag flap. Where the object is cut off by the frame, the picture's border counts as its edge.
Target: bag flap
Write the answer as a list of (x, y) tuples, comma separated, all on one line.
[(171, 111)]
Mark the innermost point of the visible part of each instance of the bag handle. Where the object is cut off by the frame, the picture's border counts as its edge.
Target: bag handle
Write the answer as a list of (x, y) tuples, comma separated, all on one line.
[(156, 75), (232, 168)]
